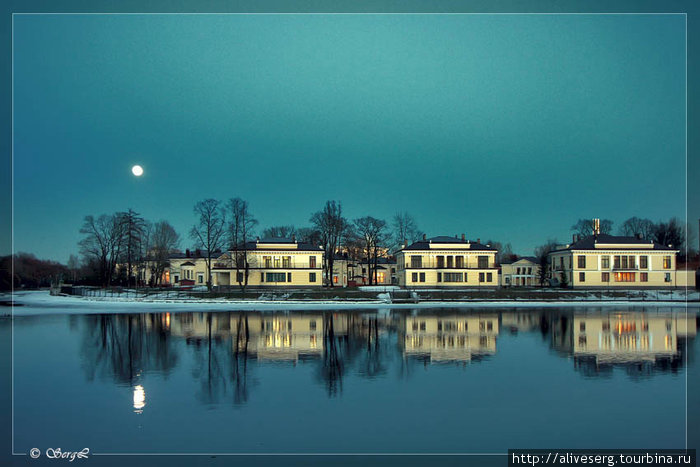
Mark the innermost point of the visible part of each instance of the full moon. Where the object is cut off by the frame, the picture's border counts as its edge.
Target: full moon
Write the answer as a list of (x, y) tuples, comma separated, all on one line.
[(137, 170)]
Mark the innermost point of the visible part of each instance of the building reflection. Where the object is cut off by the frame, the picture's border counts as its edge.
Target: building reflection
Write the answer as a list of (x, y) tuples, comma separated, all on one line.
[(454, 337), (220, 347)]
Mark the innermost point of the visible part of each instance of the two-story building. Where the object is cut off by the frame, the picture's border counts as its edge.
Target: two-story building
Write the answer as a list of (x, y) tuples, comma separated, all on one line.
[(272, 262), (603, 260), (524, 272), (447, 262)]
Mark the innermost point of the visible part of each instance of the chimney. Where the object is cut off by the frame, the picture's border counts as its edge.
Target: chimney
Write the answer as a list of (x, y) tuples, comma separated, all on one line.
[(478, 240), (464, 238), (596, 227), (424, 237), (187, 253)]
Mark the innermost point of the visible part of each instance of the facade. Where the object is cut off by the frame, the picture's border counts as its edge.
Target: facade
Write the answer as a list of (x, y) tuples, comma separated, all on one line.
[(609, 261), (447, 262), (273, 262), (524, 272), (187, 269), (384, 275)]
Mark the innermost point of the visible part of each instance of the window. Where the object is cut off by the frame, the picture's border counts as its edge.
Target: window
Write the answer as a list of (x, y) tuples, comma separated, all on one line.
[(481, 277), (440, 261), (605, 277), (465, 277), (582, 277), (335, 279), (276, 262), (625, 276), (289, 277), (239, 277), (582, 262), (416, 261), (287, 262), (582, 326), (453, 276), (414, 277), (393, 270), (605, 262), (667, 277), (177, 279), (644, 277), (200, 278), (262, 277), (633, 262), (625, 263), (312, 325), (422, 276), (517, 270), (643, 262), (312, 277), (312, 261), (489, 277), (459, 261), (422, 325), (439, 277), (561, 262), (483, 262), (267, 261), (616, 262), (529, 270), (450, 262), (275, 277), (489, 325), (667, 263)]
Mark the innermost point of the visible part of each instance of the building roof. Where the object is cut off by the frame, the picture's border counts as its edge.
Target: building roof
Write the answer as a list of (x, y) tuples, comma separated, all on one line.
[(187, 263), (301, 246), (596, 242), (425, 244)]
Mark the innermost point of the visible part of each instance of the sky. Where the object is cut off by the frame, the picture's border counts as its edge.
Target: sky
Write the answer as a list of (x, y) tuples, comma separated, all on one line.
[(502, 127)]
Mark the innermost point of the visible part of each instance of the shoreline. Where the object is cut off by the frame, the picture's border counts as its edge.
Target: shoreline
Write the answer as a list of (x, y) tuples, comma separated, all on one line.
[(42, 303)]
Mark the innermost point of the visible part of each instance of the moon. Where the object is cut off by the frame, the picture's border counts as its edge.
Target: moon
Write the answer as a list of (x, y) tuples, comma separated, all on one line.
[(137, 170)]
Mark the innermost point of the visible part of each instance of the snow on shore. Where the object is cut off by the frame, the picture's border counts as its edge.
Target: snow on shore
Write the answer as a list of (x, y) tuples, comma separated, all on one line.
[(41, 302)]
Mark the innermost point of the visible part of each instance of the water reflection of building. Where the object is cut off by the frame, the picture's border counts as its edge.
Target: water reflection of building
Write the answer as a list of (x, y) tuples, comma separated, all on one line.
[(629, 337), (448, 337), (268, 336)]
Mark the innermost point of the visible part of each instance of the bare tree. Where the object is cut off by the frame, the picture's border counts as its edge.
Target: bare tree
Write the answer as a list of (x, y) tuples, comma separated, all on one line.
[(280, 231), (405, 230), (371, 232), (634, 226), (309, 235), (585, 227), (330, 224), (102, 244), (164, 241), (542, 254), (240, 228), (670, 233), (209, 232)]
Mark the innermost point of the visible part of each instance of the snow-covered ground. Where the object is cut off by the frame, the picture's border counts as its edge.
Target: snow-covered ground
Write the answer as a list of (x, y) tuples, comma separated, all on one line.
[(41, 302)]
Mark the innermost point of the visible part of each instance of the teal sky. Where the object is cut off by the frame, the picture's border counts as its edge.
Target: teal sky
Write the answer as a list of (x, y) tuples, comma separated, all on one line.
[(508, 127)]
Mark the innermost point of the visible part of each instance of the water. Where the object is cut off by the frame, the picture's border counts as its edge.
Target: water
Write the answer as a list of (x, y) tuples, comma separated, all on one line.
[(428, 381)]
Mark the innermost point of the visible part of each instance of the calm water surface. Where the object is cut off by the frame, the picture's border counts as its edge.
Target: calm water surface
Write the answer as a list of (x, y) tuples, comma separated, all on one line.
[(386, 381)]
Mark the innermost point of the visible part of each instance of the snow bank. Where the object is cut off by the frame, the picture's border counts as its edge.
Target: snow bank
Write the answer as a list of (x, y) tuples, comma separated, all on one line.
[(40, 303)]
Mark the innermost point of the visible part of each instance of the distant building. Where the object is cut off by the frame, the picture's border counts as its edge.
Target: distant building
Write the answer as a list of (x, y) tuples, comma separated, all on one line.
[(613, 261), (385, 274), (273, 262), (521, 273), (188, 268), (447, 262)]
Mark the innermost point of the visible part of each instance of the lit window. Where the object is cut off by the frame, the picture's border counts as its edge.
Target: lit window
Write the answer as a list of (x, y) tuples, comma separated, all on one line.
[(667, 263)]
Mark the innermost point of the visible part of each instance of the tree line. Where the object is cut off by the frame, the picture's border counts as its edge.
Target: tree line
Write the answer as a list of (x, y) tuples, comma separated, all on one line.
[(118, 248)]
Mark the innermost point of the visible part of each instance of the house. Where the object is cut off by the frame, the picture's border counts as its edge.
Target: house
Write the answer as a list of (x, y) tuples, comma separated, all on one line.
[(447, 262), (602, 260), (524, 272), (385, 273), (188, 268), (272, 262)]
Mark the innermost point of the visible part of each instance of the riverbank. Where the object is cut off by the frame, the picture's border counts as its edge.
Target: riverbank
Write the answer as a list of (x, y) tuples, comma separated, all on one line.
[(41, 302)]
